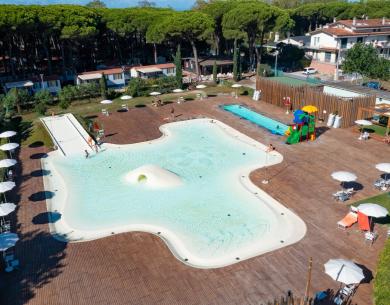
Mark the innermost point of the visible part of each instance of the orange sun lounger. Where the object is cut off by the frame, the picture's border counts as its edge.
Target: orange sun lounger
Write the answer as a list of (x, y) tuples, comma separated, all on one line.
[(364, 222), (348, 220)]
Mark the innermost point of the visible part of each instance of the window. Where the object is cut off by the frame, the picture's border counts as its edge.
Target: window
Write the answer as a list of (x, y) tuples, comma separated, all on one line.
[(359, 40), (328, 55), (117, 76), (343, 42), (52, 83)]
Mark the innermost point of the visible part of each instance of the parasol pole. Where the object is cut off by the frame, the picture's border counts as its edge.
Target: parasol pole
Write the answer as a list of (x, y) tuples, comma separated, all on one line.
[(308, 279)]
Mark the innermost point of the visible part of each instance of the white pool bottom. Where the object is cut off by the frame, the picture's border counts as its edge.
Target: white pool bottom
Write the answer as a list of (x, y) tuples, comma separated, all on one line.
[(290, 228)]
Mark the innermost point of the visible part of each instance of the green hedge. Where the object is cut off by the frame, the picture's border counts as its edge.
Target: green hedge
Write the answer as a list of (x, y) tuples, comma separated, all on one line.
[(382, 278)]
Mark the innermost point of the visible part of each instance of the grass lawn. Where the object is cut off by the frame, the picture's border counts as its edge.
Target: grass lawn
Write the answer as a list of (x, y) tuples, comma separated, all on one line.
[(379, 130)]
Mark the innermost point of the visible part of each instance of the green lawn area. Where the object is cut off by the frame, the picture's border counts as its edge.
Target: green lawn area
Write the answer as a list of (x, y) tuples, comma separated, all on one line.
[(290, 81), (379, 130)]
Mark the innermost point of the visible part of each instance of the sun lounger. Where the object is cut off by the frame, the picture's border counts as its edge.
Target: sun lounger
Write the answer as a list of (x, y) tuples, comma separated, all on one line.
[(364, 222), (348, 220), (370, 237)]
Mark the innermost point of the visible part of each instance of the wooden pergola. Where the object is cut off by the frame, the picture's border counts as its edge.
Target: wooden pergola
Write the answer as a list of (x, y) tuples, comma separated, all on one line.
[(380, 110)]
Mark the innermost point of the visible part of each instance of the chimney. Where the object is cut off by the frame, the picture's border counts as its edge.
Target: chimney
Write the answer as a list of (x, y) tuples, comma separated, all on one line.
[(334, 19), (276, 36), (354, 21), (383, 20)]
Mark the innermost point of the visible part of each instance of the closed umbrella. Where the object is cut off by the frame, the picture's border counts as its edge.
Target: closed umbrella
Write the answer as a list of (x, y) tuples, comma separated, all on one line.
[(126, 97), (6, 208), (8, 134), (373, 210), (6, 186), (344, 271), (8, 240), (7, 162), (106, 102)]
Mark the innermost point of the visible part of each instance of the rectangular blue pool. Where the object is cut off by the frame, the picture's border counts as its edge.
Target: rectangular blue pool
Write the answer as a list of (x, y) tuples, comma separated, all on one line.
[(275, 127)]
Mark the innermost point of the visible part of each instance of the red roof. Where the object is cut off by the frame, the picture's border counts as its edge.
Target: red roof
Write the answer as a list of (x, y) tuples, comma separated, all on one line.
[(107, 71), (344, 32), (160, 66), (365, 23)]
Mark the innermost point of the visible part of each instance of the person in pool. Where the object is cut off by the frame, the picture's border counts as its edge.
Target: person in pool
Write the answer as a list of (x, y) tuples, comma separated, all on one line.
[(86, 154)]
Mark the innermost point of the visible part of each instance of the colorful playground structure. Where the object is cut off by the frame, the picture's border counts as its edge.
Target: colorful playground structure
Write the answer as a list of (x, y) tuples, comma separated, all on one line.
[(304, 127)]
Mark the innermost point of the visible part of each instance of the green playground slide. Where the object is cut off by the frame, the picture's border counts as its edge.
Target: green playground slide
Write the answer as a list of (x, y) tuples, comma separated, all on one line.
[(293, 138)]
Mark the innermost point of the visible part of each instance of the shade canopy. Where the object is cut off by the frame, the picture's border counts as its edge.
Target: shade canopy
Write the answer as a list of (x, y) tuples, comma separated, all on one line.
[(7, 162), (6, 208), (8, 240), (363, 123), (373, 210), (154, 93), (178, 91), (6, 186), (236, 86), (106, 102), (310, 109), (383, 167), (344, 271), (126, 97), (8, 134), (344, 176), (9, 146), (201, 86)]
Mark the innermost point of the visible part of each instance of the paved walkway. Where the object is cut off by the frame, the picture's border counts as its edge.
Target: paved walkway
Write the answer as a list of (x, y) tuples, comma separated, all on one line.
[(138, 268)]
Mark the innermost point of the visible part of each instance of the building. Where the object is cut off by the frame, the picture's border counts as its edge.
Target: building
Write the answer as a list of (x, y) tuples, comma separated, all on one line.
[(115, 77), (329, 43), (206, 65), (153, 71), (51, 83)]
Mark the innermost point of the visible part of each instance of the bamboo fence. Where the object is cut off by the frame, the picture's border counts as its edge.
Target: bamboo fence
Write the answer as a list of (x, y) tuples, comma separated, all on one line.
[(273, 92)]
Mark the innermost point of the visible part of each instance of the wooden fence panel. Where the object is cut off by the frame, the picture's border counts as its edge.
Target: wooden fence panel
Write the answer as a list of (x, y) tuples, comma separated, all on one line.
[(273, 92)]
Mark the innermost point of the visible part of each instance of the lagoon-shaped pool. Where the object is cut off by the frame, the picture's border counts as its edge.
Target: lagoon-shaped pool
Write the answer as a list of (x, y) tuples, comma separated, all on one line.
[(198, 199)]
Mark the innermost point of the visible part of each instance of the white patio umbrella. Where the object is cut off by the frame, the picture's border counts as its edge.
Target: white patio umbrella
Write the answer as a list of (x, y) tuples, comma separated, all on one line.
[(9, 146), (126, 97), (373, 210), (178, 91), (201, 87), (154, 93), (6, 208), (363, 123), (7, 162), (383, 167), (8, 134), (236, 86), (343, 176), (106, 102), (8, 240), (344, 271), (6, 186)]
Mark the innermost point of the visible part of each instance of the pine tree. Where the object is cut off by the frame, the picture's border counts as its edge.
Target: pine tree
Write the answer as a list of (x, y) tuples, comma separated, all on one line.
[(103, 86), (179, 71), (215, 79)]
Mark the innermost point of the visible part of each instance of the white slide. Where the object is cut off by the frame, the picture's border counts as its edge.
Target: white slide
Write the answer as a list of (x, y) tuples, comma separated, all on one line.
[(67, 134)]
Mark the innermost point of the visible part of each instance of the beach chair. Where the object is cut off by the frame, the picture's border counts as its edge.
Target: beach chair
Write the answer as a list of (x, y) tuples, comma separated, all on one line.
[(370, 237), (5, 226), (348, 220), (348, 290), (364, 222)]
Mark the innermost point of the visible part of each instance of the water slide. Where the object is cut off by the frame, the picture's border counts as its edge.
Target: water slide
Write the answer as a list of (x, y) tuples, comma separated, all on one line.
[(67, 134)]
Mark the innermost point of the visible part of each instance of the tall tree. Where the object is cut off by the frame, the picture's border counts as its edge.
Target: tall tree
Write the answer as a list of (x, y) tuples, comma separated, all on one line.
[(103, 86), (179, 70), (215, 72), (235, 61), (184, 26), (96, 4)]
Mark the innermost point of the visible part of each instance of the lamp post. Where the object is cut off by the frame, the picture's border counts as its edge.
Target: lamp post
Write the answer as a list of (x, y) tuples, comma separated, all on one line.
[(338, 58), (41, 75), (276, 62)]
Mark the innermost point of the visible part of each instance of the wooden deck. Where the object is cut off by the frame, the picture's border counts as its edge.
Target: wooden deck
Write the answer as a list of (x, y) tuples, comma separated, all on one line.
[(138, 268)]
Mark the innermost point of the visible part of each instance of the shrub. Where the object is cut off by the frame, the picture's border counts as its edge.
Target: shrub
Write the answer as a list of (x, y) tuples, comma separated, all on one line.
[(265, 70), (40, 108), (382, 278), (64, 104)]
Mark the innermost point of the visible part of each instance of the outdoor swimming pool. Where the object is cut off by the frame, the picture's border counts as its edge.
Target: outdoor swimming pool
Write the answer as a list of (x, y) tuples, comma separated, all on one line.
[(257, 118), (209, 213)]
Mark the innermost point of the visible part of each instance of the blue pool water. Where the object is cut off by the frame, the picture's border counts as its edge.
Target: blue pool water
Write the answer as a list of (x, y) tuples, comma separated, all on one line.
[(212, 214), (258, 119)]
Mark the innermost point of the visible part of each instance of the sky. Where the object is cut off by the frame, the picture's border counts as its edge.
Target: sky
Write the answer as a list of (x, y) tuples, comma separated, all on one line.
[(177, 4)]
